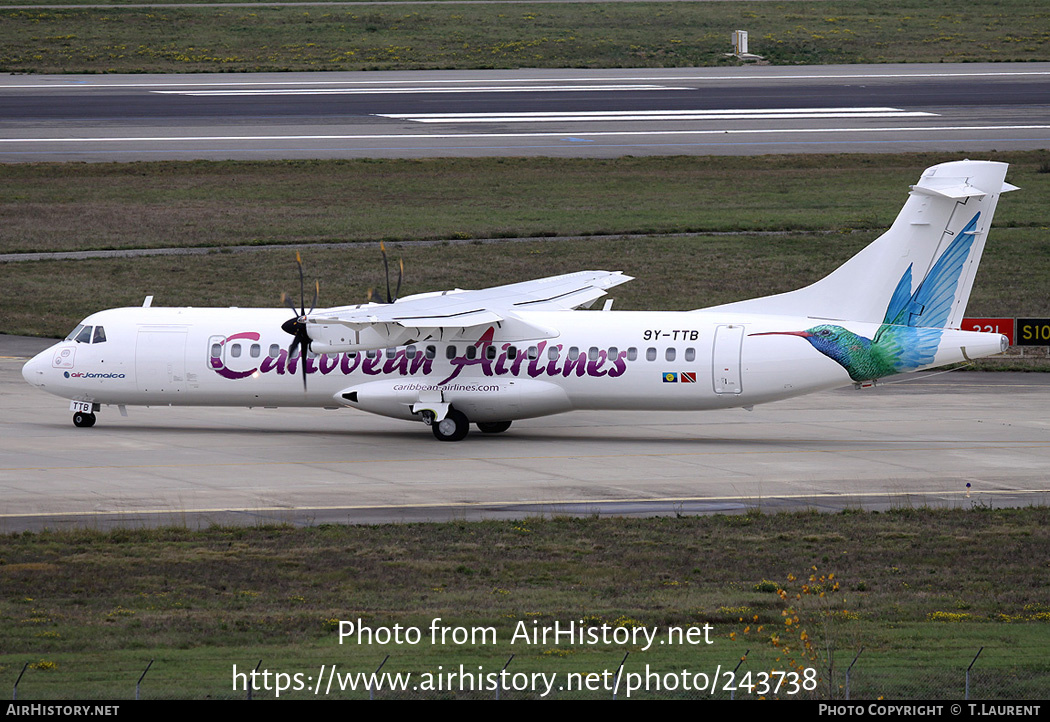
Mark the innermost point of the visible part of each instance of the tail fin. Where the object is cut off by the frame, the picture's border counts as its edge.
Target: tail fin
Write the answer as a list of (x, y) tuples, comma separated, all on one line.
[(938, 238)]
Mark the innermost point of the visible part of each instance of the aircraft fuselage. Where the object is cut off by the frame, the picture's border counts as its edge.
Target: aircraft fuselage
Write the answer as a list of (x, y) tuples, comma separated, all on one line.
[(614, 360)]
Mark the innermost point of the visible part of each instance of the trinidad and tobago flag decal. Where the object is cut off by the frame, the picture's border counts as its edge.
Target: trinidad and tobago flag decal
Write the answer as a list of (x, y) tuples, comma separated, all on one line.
[(673, 377)]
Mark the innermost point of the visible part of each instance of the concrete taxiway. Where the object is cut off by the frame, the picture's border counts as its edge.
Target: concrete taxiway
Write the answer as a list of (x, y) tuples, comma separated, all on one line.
[(957, 439)]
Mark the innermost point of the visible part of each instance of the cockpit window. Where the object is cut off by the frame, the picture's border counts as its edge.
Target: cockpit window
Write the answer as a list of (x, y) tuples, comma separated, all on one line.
[(100, 335), (84, 336), (75, 332)]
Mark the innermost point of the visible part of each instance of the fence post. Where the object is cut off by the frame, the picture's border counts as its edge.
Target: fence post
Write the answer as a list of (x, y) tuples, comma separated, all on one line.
[(139, 683), (499, 685), (619, 671), (24, 668), (849, 670), (968, 671), (251, 682), (371, 692), (732, 691)]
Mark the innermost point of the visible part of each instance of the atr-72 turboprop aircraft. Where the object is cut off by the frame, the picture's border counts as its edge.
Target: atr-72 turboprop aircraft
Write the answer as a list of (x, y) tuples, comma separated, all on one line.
[(524, 350)]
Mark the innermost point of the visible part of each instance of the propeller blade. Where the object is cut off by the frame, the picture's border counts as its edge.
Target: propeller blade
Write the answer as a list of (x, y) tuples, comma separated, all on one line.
[(302, 284), (296, 326), (400, 275), (386, 272)]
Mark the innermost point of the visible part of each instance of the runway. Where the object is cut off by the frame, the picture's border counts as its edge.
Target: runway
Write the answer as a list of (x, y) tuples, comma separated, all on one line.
[(591, 113), (959, 440)]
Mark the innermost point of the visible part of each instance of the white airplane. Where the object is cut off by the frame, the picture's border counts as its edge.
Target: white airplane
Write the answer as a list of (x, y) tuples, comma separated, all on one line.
[(513, 352)]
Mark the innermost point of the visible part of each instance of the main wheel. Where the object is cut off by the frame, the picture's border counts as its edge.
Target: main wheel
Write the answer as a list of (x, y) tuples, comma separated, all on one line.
[(493, 427), (82, 420), (453, 427)]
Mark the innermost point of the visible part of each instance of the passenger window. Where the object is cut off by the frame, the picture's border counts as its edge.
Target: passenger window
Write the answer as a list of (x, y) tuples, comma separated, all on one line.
[(410, 351), (650, 354), (669, 354), (390, 352), (632, 354), (512, 352), (552, 353), (690, 354), (256, 349), (431, 352), (574, 353), (275, 350), (592, 353), (450, 352), (100, 335), (372, 353), (216, 350), (534, 353), (472, 352), (84, 336), (235, 350), (490, 351), (613, 352)]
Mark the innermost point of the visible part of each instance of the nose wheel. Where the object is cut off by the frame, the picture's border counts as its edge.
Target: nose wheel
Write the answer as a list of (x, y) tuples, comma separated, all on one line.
[(451, 428), (83, 420)]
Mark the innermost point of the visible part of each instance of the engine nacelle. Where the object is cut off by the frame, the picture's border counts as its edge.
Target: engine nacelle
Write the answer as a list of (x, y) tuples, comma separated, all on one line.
[(485, 399)]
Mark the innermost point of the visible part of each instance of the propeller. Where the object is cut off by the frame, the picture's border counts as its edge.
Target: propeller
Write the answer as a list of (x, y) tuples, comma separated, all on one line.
[(386, 272), (296, 326)]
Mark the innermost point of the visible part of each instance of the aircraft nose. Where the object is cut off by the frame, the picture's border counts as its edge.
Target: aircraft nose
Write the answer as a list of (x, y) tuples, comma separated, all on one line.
[(33, 371)]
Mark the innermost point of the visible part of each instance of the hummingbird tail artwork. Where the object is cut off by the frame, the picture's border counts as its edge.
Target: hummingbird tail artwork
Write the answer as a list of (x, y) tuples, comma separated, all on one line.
[(912, 283)]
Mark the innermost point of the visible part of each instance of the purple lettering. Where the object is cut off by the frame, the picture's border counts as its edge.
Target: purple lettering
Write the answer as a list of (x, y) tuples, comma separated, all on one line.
[(269, 363), (552, 365), (579, 365), (399, 362), (329, 362), (535, 369), (350, 362), (594, 366), (369, 365), (619, 365)]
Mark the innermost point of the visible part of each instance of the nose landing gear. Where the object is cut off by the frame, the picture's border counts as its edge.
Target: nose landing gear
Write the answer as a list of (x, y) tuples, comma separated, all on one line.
[(83, 420)]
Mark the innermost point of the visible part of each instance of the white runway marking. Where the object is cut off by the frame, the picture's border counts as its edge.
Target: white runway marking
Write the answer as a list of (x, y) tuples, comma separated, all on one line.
[(645, 115), (413, 90)]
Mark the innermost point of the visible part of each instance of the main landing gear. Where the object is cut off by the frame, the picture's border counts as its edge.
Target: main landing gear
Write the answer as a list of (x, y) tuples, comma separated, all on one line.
[(83, 420), (455, 425)]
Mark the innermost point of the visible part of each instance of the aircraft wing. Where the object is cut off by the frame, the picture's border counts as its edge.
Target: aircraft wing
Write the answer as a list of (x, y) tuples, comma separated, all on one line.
[(428, 314)]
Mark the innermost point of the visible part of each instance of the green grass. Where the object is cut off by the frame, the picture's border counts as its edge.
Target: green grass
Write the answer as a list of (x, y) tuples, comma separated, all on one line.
[(510, 36), (78, 206), (100, 605), (820, 199), (673, 273)]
